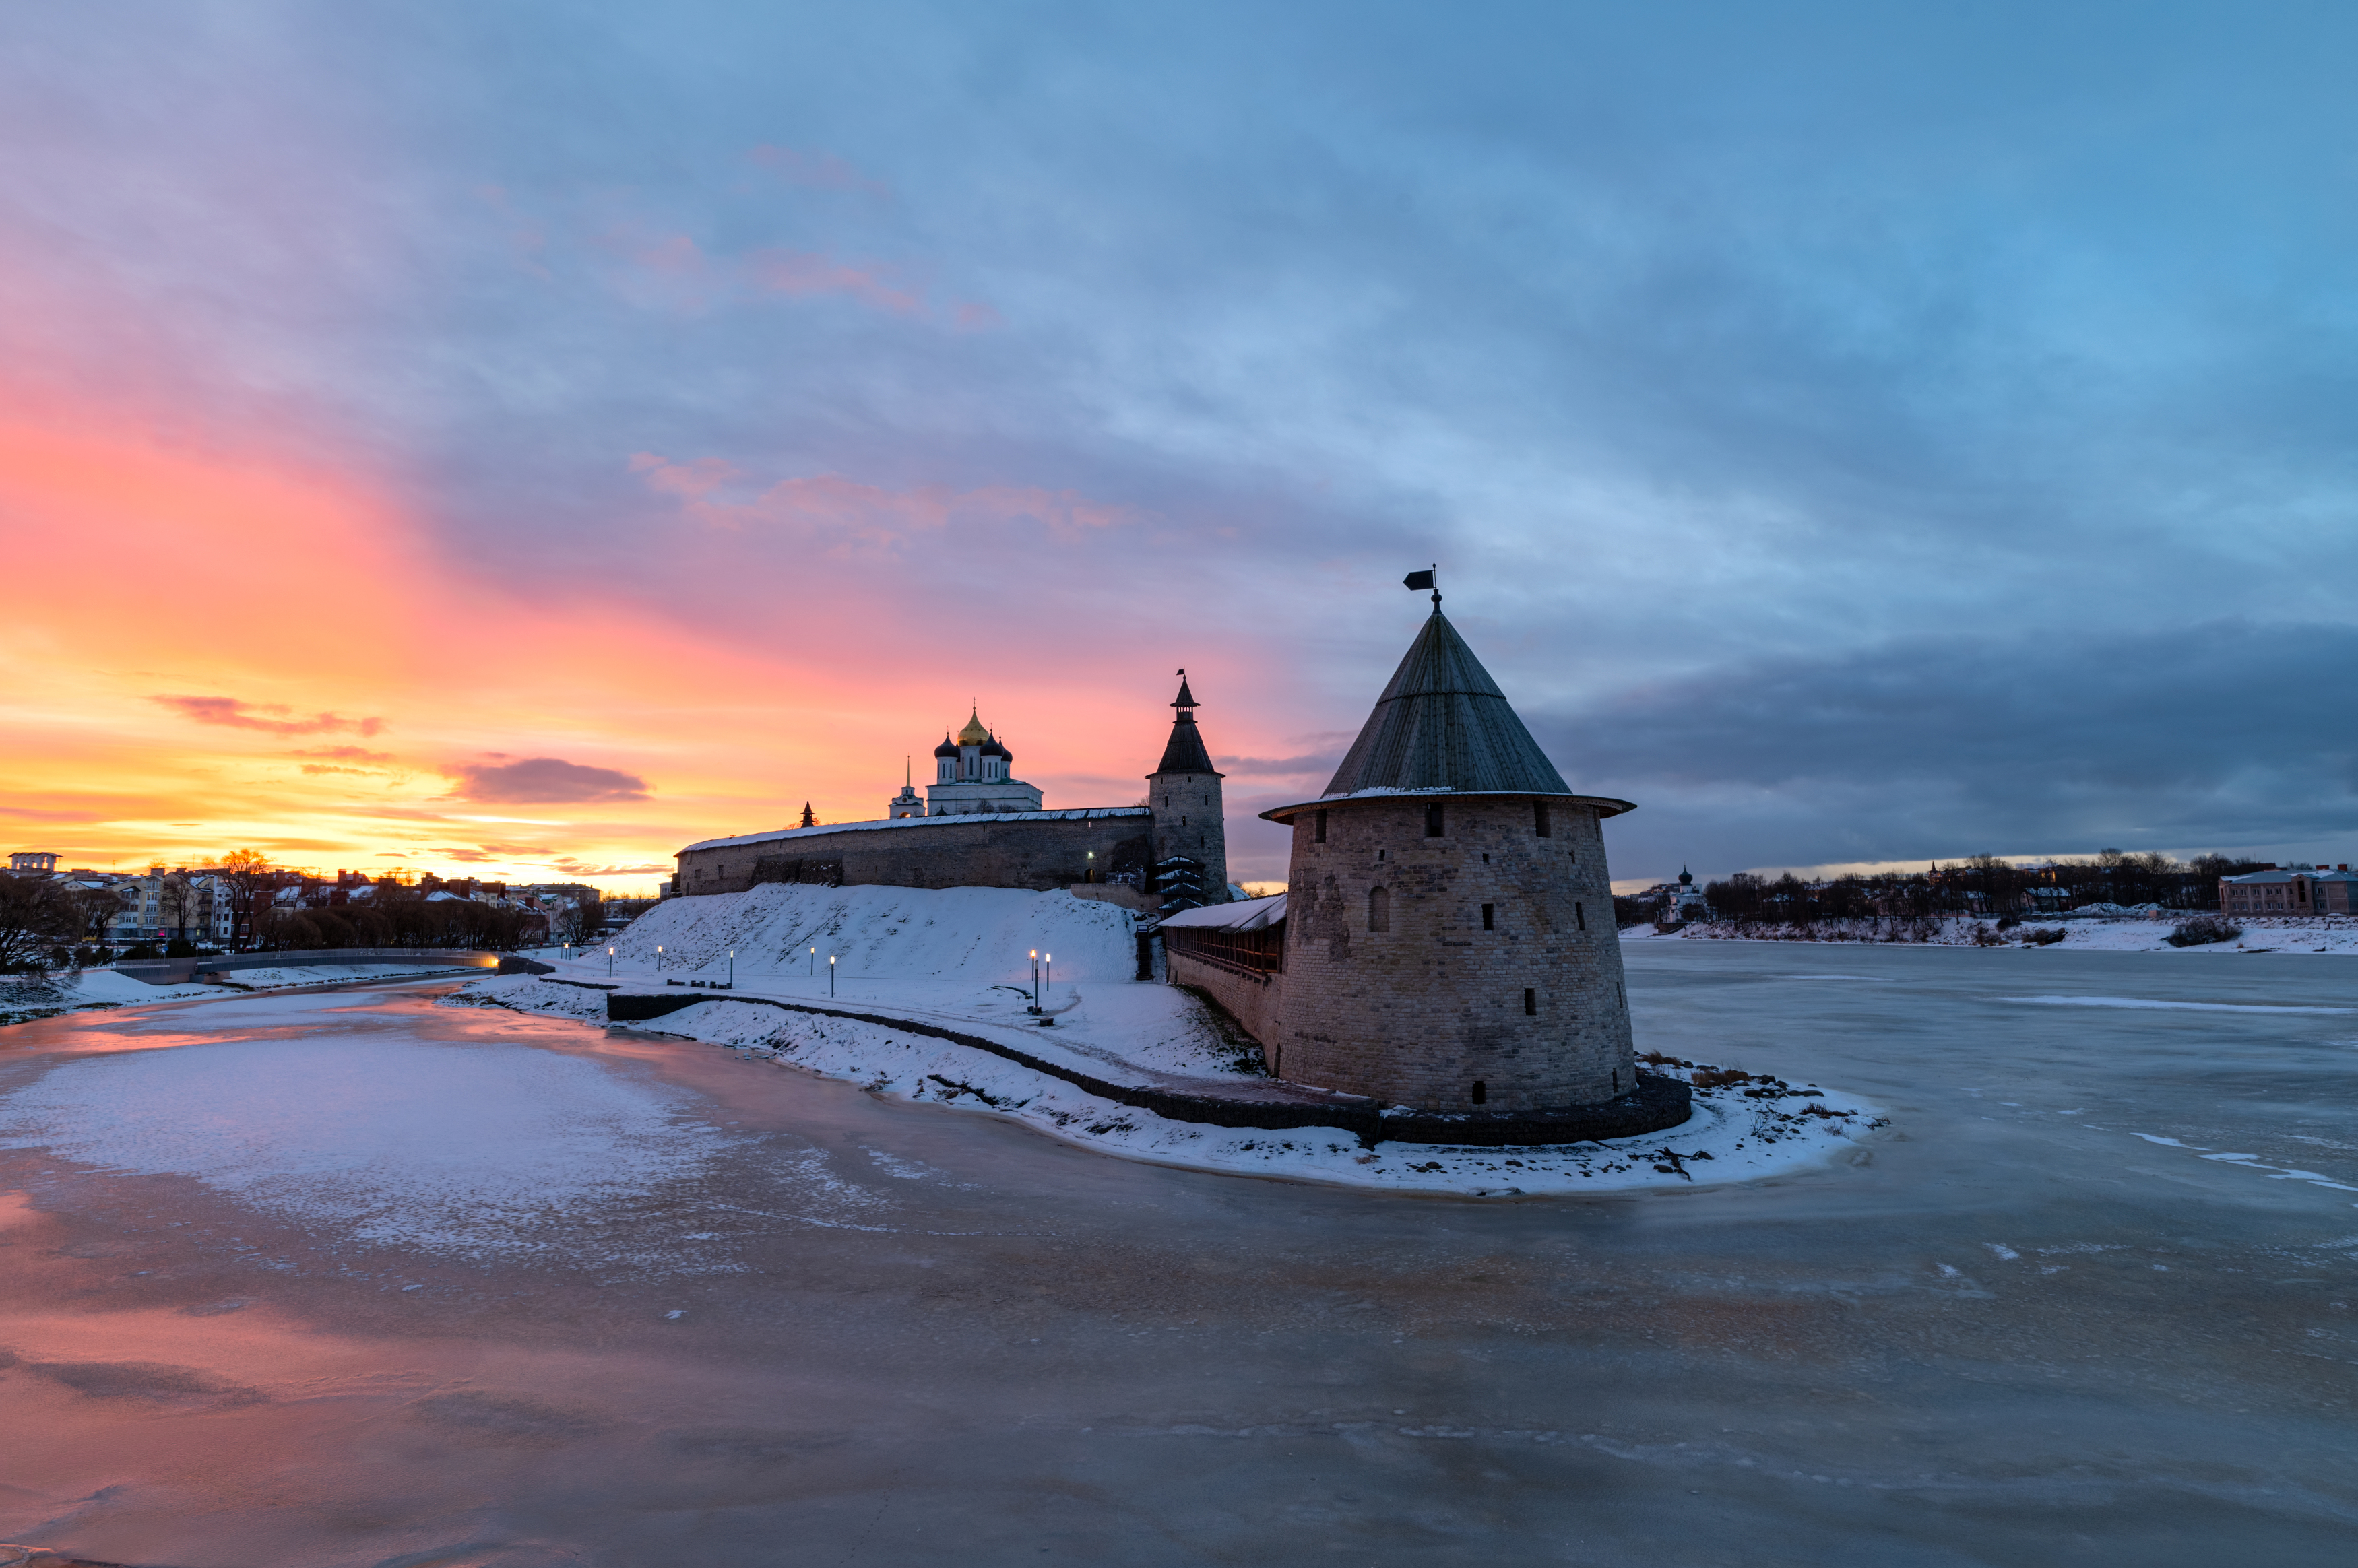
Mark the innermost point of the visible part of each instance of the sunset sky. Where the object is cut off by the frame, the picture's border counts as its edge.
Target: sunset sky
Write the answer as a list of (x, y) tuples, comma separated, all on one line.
[(519, 440)]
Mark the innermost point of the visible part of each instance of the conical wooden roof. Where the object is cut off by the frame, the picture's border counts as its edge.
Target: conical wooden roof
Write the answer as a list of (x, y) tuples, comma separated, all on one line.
[(1185, 753), (1443, 723)]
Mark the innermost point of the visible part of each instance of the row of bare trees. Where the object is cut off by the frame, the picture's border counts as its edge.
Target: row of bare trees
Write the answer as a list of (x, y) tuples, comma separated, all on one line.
[(392, 922), (43, 916), (1981, 885)]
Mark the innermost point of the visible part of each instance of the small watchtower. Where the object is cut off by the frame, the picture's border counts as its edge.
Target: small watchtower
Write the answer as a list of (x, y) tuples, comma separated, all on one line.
[(1183, 793), (1451, 941)]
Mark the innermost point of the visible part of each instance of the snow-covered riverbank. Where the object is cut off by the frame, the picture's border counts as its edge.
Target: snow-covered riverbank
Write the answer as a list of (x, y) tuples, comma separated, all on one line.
[(2261, 934), (956, 958), (23, 998), (1740, 1131)]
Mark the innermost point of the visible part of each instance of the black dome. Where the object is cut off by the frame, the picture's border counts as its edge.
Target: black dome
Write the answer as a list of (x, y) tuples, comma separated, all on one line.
[(947, 749)]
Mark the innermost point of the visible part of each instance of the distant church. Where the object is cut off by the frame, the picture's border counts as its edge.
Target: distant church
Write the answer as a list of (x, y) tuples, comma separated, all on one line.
[(978, 825), (973, 774)]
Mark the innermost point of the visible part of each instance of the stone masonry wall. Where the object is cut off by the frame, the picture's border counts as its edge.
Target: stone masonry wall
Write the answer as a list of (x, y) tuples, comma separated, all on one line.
[(1256, 1003), (930, 852), (1189, 820), (1407, 996)]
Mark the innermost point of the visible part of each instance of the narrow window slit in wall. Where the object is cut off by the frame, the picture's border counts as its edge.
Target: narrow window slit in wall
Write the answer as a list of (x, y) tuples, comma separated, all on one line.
[(1479, 1093), (1485, 919), (1530, 1002), (1539, 818), (1433, 820)]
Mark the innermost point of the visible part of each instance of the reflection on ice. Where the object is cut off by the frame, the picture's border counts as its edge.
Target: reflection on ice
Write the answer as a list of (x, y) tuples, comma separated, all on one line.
[(2148, 1004), (490, 1149)]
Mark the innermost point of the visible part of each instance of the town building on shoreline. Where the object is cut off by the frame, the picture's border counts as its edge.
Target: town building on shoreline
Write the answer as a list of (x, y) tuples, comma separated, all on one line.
[(2292, 890)]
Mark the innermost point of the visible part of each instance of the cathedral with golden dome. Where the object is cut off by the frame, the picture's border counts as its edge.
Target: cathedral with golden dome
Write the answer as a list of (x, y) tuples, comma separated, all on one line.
[(974, 775)]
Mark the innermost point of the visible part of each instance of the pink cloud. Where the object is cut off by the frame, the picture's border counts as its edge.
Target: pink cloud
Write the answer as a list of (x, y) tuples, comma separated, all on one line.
[(690, 482), (542, 781), (797, 274), (232, 713), (822, 171)]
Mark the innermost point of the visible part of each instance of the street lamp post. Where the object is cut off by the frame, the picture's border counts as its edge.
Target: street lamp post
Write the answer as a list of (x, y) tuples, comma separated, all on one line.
[(815, 963), (1048, 967), (830, 973), (610, 963), (1036, 981), (732, 969)]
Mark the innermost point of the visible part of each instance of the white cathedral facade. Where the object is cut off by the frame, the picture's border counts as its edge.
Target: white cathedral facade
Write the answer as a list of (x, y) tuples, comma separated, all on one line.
[(973, 774)]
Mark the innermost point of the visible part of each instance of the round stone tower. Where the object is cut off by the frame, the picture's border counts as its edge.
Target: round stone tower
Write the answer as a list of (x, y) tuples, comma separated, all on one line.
[(1450, 941), (1190, 824)]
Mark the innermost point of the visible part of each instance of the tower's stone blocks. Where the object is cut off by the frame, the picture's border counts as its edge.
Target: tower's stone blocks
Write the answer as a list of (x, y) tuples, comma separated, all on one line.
[(1188, 821), (1421, 965)]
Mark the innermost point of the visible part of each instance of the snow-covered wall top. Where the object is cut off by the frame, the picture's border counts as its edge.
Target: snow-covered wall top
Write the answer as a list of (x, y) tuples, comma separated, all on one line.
[(912, 824), (982, 934), (1248, 914)]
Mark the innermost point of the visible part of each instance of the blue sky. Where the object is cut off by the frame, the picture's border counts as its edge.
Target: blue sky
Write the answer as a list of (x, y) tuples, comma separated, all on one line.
[(1855, 433)]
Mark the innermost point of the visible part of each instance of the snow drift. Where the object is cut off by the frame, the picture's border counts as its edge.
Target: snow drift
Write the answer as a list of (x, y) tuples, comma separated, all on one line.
[(949, 933)]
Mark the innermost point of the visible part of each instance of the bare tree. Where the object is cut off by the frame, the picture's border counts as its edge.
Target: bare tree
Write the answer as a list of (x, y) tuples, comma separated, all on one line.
[(34, 913), (582, 923), (184, 905), (245, 878)]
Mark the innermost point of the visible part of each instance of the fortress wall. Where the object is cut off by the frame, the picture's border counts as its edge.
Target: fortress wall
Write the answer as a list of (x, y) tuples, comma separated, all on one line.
[(931, 852), (1414, 1014), (1256, 1003)]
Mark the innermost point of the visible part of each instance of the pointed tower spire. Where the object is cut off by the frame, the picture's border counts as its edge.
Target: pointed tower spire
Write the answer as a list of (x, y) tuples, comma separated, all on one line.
[(809, 820), (1184, 753), (1443, 723)]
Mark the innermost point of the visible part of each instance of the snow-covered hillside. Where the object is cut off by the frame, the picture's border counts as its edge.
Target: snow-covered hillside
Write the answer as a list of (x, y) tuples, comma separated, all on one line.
[(979, 933)]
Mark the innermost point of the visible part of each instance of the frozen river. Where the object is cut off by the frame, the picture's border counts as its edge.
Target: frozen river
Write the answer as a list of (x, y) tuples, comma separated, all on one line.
[(355, 1279)]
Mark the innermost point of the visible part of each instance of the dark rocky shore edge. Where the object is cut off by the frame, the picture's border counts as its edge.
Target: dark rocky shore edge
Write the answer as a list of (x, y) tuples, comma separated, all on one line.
[(1658, 1102)]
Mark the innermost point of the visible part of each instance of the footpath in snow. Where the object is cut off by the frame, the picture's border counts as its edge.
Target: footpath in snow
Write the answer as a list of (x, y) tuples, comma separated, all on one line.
[(960, 958)]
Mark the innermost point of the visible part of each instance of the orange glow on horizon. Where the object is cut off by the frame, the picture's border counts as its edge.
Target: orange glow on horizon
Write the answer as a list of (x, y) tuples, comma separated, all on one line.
[(213, 649)]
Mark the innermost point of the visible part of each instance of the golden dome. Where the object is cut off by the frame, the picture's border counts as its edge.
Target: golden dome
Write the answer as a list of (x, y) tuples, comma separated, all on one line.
[(974, 734)]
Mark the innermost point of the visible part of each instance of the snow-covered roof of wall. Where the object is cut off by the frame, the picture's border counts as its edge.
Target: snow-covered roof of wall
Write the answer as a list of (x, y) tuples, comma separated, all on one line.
[(915, 823), (1251, 915)]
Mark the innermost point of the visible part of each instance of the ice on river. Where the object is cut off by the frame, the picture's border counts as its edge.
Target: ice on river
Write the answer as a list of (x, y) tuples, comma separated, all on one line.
[(470, 1150)]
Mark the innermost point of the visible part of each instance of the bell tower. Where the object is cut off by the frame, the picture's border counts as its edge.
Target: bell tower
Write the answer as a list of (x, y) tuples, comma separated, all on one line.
[(1190, 826)]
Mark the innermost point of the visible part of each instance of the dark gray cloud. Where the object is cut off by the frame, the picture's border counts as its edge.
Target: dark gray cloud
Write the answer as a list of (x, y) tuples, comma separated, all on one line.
[(2218, 734), (544, 780), (1829, 417)]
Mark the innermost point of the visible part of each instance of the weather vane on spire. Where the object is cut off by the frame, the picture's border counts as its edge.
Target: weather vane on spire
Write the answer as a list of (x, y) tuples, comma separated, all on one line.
[(1415, 580)]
